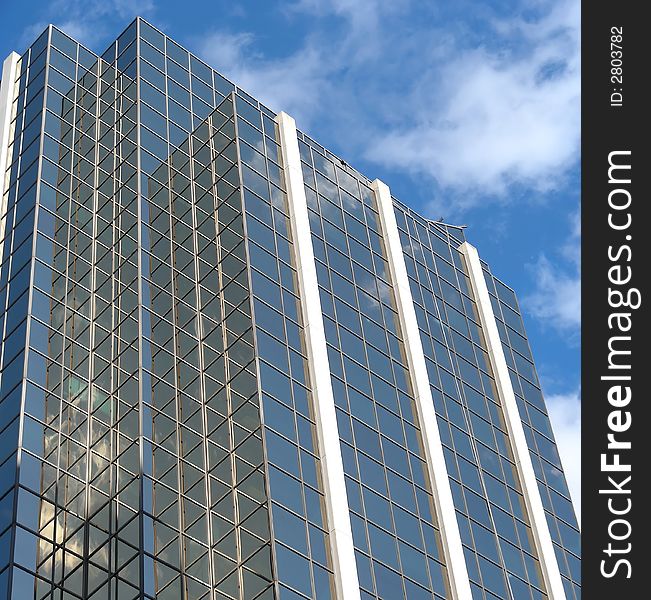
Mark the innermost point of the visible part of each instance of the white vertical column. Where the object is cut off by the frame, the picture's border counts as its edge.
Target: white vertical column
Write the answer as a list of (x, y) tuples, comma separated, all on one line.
[(336, 500), (530, 491), (438, 473), (7, 96)]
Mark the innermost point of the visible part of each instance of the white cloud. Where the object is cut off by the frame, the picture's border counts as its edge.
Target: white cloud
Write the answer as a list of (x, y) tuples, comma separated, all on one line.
[(475, 114), (89, 21), (293, 84), (489, 118), (556, 299), (565, 414), (498, 126), (364, 22), (572, 248)]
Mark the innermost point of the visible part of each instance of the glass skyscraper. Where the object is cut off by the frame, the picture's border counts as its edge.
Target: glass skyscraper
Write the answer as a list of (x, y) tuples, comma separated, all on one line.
[(234, 368)]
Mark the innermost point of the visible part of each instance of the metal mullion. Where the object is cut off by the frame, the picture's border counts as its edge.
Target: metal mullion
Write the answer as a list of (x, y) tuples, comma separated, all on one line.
[(86, 542), (229, 402), (176, 373), (256, 354), (174, 336), (140, 200), (63, 345), (211, 582), (115, 319)]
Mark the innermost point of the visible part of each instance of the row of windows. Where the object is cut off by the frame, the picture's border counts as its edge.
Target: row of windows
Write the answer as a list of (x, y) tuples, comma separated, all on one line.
[(490, 472), (533, 410), (285, 420), (386, 479), (544, 455)]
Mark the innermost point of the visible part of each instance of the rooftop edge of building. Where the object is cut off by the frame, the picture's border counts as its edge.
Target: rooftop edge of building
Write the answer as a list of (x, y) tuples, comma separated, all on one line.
[(454, 231)]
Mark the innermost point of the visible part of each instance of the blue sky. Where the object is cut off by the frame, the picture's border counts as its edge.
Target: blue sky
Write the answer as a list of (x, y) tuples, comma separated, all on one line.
[(467, 110)]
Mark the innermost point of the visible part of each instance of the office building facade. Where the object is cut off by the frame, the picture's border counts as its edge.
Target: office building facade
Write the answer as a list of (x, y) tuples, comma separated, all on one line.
[(235, 368)]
